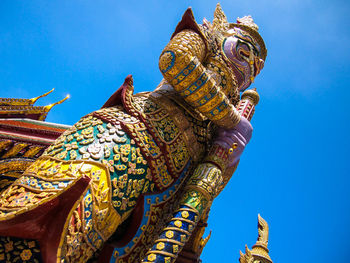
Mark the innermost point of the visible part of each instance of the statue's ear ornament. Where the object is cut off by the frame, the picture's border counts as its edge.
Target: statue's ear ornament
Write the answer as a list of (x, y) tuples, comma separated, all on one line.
[(220, 26)]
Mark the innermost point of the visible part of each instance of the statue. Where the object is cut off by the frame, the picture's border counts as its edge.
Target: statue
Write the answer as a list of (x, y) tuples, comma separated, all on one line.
[(133, 179)]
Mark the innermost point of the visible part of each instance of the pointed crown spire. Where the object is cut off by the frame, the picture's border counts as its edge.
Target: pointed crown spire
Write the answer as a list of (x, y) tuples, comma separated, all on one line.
[(245, 23)]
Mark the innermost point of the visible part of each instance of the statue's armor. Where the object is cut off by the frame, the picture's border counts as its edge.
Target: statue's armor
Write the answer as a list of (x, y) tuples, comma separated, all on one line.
[(195, 67)]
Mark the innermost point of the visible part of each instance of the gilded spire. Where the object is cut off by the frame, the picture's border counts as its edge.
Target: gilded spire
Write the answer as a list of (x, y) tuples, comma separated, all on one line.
[(33, 100), (263, 231), (259, 252)]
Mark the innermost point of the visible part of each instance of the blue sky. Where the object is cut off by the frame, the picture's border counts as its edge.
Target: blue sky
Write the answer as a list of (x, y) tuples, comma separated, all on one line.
[(295, 169)]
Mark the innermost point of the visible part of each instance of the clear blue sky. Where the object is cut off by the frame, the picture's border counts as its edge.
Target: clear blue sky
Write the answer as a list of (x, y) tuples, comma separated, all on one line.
[(295, 170)]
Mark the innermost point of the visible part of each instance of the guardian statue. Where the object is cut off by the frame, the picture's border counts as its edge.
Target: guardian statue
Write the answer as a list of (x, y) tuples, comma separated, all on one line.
[(131, 182)]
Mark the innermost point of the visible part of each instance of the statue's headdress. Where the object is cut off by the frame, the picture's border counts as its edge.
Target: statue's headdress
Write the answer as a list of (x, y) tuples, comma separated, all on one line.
[(246, 24)]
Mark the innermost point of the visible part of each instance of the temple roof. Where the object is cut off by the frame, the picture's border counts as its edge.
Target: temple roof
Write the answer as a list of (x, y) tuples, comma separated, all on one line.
[(23, 108), (23, 130), (24, 135), (22, 102), (30, 131)]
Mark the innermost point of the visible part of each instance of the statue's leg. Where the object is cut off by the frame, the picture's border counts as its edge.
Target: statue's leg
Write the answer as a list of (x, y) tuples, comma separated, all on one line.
[(71, 206), (28, 213)]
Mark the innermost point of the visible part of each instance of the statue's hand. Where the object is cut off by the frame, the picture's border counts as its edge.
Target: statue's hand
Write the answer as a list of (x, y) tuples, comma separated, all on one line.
[(234, 140)]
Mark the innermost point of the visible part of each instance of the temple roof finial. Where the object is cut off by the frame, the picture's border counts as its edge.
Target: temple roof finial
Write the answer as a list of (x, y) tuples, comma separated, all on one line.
[(33, 100), (259, 251), (21, 102), (49, 107), (24, 108)]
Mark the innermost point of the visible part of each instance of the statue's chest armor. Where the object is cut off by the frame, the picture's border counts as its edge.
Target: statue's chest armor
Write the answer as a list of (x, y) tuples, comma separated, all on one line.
[(157, 137)]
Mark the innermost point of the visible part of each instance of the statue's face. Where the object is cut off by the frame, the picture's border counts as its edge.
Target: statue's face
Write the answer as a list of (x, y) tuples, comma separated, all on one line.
[(243, 53)]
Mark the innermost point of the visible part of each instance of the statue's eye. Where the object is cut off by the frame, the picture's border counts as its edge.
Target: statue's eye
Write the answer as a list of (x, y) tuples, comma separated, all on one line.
[(243, 53), (245, 47), (243, 50)]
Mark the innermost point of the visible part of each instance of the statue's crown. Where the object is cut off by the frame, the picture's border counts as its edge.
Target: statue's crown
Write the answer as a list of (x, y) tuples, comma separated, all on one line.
[(245, 23), (248, 21)]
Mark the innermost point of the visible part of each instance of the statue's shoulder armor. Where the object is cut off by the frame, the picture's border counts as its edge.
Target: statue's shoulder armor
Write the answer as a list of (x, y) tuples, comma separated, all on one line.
[(188, 22), (122, 94), (125, 97)]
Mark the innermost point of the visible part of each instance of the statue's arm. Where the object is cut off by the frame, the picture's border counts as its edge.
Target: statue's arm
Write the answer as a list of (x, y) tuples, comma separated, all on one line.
[(181, 64)]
